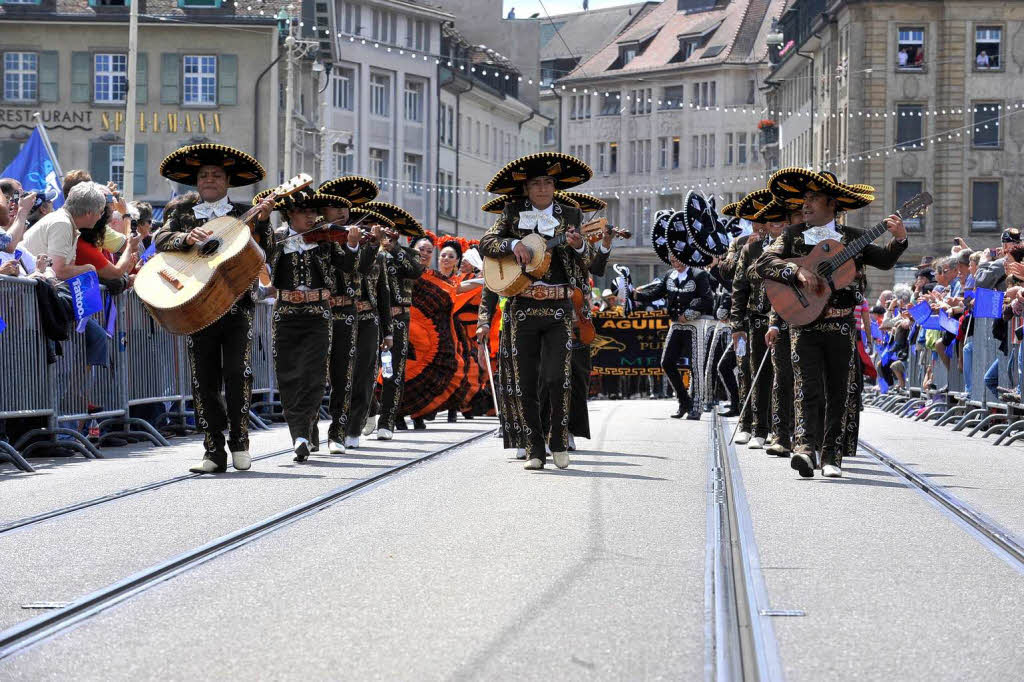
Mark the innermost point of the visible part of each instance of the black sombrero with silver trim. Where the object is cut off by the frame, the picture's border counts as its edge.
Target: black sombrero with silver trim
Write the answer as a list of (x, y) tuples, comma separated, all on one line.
[(403, 221), (182, 165), (567, 171), (682, 245), (791, 184), (705, 231), (368, 217), (355, 188)]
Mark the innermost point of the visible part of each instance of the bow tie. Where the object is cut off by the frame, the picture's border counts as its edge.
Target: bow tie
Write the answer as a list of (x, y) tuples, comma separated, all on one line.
[(215, 210), (544, 223), (815, 235)]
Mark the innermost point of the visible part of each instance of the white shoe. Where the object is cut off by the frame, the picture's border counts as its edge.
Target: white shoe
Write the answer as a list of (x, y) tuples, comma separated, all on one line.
[(241, 460), (521, 453), (207, 466), (572, 443), (351, 441), (384, 434), (370, 426), (335, 447), (561, 459), (742, 438), (756, 443), (534, 463), (301, 449), (831, 471)]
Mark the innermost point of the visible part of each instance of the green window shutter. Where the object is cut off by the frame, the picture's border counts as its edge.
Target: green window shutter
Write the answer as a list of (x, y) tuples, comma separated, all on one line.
[(142, 78), (227, 79), (99, 162), (140, 168), (8, 150), (169, 78), (48, 66), (81, 76)]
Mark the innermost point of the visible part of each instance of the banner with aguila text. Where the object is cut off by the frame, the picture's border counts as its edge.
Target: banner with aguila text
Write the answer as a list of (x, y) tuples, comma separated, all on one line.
[(628, 345)]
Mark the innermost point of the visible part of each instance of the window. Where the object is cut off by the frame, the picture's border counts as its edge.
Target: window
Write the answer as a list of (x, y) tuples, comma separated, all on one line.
[(586, 106), (713, 100), (627, 53), (353, 14), (751, 90), (640, 102), (413, 100), (984, 204), (695, 152), (729, 149), (344, 159), (910, 48), (741, 149), (986, 124), (446, 124), (754, 142), (385, 26), (476, 147), (343, 89), (704, 94), (613, 157), (610, 104), (445, 194), (549, 133), (711, 151), (21, 78), (379, 164), (116, 167), (672, 97), (200, 81), (909, 125), (988, 42), (411, 172), (675, 152), (662, 152), (632, 157), (703, 151), (451, 126), (572, 108), (109, 77), (687, 46), (380, 95), (601, 157), (905, 191), (695, 97)]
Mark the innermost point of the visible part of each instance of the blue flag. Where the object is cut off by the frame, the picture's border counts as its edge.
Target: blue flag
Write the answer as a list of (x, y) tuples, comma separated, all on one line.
[(85, 293), (948, 323), (36, 170), (3, 325), (988, 303), (931, 324), (147, 254), (876, 332), (921, 311)]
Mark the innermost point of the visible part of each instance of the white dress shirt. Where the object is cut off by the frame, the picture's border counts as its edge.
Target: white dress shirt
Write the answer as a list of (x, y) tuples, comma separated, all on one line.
[(208, 211), (814, 235), (544, 227)]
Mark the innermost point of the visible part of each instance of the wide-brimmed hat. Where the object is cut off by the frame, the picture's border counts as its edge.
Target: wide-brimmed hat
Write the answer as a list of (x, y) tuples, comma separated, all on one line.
[(705, 231), (567, 172), (585, 202), (367, 216), (659, 236), (776, 211), (182, 165), (750, 205), (731, 226), (355, 188), (681, 244), (791, 184), (404, 222), (497, 204)]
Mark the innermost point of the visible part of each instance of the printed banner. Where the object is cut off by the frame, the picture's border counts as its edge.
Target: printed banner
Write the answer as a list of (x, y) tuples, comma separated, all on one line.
[(628, 345), (85, 292)]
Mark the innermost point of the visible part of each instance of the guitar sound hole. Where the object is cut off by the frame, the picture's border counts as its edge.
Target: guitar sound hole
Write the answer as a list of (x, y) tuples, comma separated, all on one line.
[(209, 247)]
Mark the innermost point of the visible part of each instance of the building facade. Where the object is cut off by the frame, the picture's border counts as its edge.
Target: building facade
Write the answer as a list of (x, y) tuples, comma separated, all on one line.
[(669, 104), (908, 97), (199, 79)]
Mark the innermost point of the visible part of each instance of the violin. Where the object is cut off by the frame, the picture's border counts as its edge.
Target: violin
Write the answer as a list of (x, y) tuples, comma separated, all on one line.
[(618, 232)]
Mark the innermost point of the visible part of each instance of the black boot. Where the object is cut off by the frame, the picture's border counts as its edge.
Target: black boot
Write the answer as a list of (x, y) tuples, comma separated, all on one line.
[(681, 412), (418, 424), (452, 416), (400, 425)]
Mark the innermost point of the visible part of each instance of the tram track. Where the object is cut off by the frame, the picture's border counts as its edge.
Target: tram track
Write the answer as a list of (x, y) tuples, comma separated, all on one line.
[(740, 640), (991, 534), (23, 635)]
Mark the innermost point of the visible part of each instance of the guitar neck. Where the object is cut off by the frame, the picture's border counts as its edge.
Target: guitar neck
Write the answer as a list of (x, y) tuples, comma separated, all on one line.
[(852, 249)]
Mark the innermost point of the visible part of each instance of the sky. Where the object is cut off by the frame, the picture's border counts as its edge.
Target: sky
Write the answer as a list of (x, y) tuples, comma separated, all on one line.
[(524, 8)]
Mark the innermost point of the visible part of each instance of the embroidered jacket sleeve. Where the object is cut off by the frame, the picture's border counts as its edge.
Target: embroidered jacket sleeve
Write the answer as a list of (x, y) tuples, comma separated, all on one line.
[(407, 263), (599, 263), (367, 257), (881, 257), (652, 292), (497, 240), (740, 293), (775, 263), (383, 298), (488, 304), (343, 259), (171, 237)]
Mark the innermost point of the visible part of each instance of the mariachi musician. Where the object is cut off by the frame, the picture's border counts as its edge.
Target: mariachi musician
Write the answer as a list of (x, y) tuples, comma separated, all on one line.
[(541, 315), (373, 308), (823, 351), (303, 270), (220, 355), (403, 269)]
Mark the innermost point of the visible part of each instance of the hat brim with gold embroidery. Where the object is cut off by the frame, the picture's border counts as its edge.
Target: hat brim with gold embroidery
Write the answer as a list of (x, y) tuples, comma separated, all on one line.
[(403, 221), (706, 232), (776, 211), (791, 184), (303, 199), (367, 217), (586, 202), (497, 204), (567, 172), (750, 205), (357, 189), (182, 165)]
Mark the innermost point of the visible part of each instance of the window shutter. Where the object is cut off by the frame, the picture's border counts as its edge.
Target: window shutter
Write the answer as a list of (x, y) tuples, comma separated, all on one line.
[(169, 78), (8, 150), (140, 169), (48, 62), (142, 79), (81, 77), (227, 79), (99, 162)]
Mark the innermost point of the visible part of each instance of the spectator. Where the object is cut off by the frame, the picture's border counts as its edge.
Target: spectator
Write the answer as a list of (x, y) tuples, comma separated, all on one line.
[(902, 58), (14, 210), (143, 222), (982, 60), (73, 178), (56, 235), (41, 207)]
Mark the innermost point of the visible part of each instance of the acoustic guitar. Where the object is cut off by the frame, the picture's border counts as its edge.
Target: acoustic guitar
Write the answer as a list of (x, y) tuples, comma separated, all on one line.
[(506, 277), (582, 325), (833, 262), (186, 291)]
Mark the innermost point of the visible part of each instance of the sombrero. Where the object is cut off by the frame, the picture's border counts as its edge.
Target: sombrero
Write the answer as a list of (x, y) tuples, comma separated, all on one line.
[(355, 188), (368, 217), (586, 202), (304, 198), (731, 226), (749, 206), (567, 171), (496, 205), (730, 209), (775, 211), (402, 219), (182, 165), (792, 183), (703, 227), (659, 236), (681, 245)]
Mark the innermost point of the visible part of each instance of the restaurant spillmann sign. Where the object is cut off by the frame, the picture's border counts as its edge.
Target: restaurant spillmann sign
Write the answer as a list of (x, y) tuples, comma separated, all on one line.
[(112, 120)]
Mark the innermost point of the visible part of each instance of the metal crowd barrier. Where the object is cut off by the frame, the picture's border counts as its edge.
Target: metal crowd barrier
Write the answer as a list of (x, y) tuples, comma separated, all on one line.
[(264, 403)]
